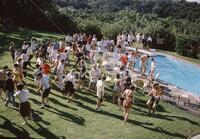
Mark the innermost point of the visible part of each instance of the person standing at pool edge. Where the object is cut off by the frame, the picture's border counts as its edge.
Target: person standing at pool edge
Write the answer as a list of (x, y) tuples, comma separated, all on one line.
[(143, 64), (152, 70)]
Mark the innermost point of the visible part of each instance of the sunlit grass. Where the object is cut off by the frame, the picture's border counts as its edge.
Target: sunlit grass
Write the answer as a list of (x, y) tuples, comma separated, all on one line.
[(81, 120)]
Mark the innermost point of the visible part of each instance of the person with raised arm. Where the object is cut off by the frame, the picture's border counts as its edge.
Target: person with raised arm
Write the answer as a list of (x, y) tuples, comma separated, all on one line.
[(24, 106)]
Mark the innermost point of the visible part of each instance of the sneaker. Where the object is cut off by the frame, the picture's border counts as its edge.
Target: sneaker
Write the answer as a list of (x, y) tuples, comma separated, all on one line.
[(24, 123), (42, 107), (47, 106)]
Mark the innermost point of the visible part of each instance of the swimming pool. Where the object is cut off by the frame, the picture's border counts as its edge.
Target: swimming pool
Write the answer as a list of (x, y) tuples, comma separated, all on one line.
[(177, 72)]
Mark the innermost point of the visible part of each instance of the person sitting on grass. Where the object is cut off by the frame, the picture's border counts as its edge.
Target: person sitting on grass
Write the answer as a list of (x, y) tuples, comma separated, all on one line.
[(24, 106), (155, 94), (100, 92), (3, 77), (10, 88), (69, 83), (45, 86), (127, 103)]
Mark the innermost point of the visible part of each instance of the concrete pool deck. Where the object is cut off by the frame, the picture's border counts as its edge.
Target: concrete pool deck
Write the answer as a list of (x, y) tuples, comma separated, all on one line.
[(172, 94)]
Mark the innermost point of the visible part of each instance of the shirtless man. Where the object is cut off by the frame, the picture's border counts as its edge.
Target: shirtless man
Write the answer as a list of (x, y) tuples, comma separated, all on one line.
[(155, 94), (3, 77), (143, 64), (152, 70)]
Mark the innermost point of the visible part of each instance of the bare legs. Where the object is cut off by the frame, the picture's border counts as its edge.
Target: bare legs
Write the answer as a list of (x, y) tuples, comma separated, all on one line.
[(68, 97), (45, 102), (151, 106), (126, 113), (2, 94)]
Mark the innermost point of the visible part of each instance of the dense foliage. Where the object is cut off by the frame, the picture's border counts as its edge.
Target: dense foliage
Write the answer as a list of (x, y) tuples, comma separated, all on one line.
[(167, 20), (25, 13)]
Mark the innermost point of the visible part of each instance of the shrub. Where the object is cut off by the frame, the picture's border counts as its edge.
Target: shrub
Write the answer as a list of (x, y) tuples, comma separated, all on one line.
[(188, 46)]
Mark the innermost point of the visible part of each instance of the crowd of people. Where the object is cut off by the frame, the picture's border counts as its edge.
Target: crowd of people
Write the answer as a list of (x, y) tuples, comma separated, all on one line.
[(55, 59)]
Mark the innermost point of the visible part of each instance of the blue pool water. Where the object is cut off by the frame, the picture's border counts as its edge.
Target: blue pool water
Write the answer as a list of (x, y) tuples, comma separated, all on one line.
[(177, 72)]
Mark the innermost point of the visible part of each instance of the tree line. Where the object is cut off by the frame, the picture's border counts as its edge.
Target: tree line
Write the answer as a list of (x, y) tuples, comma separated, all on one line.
[(176, 22)]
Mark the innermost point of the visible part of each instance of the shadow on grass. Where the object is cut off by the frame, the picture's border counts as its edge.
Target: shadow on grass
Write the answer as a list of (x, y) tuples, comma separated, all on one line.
[(86, 99), (43, 131), (137, 123), (18, 131), (142, 104), (67, 116), (53, 100), (37, 118)]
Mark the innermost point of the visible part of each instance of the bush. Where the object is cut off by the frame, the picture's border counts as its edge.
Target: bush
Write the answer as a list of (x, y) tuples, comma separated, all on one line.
[(91, 28), (111, 30), (188, 46)]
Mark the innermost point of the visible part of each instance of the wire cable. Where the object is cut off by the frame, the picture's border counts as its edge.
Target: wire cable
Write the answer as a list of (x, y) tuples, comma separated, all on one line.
[(47, 16)]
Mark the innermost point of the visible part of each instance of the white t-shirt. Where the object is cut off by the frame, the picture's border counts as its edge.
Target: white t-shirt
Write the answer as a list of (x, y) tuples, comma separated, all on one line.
[(24, 47), (100, 88), (70, 78), (33, 45), (45, 82), (94, 40), (131, 58), (29, 51), (60, 68), (53, 55), (23, 95), (24, 57), (87, 47), (123, 37), (153, 65), (63, 56), (39, 61), (149, 39), (94, 73), (68, 38)]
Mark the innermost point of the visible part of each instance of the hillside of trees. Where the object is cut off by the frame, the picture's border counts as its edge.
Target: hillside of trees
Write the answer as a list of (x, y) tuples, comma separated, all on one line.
[(25, 13), (176, 22)]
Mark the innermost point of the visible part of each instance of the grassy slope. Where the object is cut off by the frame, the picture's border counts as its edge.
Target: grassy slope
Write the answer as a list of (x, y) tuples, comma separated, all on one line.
[(188, 59), (80, 120)]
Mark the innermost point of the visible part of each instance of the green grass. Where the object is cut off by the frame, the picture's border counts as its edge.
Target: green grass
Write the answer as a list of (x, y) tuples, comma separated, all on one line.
[(81, 120), (188, 59)]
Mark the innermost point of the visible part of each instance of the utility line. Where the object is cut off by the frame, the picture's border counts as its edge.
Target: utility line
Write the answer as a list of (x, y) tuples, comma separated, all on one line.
[(47, 16)]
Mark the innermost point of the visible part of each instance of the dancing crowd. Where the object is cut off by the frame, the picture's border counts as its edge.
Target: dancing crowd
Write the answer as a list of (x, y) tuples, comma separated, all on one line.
[(52, 63)]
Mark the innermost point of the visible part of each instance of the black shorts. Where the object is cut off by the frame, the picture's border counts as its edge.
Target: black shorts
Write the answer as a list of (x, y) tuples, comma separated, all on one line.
[(153, 99), (46, 93), (119, 46), (2, 84), (69, 88)]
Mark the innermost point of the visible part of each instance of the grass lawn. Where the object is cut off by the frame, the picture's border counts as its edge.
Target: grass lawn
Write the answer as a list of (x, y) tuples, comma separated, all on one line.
[(81, 120), (187, 59)]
